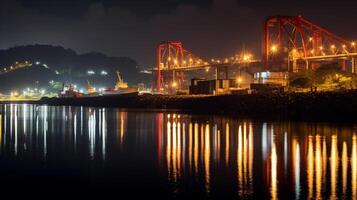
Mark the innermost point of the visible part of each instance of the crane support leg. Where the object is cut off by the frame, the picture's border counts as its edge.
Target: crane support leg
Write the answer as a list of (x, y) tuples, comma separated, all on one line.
[(353, 65)]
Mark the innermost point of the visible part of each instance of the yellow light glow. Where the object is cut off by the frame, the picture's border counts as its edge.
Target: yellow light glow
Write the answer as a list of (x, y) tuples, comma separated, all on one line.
[(174, 84), (354, 167), (14, 94), (353, 44), (274, 48), (239, 80), (247, 57)]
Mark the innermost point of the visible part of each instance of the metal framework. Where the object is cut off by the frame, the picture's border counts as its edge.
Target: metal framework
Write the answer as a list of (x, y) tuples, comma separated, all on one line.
[(172, 56), (173, 60), (297, 38), (286, 39)]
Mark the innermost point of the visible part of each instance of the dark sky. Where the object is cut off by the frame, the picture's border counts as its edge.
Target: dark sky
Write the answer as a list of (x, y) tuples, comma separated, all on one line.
[(210, 28)]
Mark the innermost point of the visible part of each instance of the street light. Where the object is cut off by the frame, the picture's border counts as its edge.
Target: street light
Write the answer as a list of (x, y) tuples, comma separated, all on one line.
[(274, 48), (239, 81), (247, 57), (174, 84)]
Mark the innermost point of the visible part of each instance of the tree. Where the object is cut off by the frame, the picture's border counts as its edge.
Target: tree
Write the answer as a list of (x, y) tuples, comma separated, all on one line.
[(328, 76), (302, 79)]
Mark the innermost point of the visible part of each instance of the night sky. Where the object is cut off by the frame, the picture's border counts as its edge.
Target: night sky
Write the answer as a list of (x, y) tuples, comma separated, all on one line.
[(133, 28)]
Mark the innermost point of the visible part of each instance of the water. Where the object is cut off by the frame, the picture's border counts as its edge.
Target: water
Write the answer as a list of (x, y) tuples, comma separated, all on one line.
[(105, 152)]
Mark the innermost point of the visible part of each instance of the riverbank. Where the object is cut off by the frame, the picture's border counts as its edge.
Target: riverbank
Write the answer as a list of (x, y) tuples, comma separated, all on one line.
[(321, 105)]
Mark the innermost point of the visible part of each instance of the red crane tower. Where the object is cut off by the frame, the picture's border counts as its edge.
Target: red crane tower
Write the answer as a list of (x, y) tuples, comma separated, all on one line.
[(172, 56)]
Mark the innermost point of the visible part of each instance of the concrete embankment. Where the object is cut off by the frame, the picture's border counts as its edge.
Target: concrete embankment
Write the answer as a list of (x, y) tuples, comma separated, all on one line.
[(322, 105)]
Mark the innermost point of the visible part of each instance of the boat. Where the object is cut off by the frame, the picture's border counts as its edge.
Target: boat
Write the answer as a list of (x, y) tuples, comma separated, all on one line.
[(91, 91), (121, 87)]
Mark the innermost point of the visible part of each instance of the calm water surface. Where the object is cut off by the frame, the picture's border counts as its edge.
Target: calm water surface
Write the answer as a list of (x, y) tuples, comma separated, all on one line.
[(105, 152)]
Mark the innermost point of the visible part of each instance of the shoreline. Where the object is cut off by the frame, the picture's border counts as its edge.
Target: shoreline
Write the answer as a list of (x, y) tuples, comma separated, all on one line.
[(336, 106), (315, 106)]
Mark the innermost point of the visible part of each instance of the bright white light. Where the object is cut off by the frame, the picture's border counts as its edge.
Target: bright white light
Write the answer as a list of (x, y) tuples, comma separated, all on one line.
[(37, 63), (90, 72), (264, 74), (104, 73), (145, 72)]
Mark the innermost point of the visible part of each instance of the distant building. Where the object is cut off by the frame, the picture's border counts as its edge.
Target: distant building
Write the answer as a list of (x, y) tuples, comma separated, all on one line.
[(220, 86), (279, 78)]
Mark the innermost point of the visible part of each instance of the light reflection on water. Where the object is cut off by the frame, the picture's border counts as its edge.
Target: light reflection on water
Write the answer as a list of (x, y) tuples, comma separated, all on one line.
[(194, 155)]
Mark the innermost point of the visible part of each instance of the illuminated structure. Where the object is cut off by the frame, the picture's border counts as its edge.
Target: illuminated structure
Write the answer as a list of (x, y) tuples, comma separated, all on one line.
[(294, 39), (174, 60), (290, 43)]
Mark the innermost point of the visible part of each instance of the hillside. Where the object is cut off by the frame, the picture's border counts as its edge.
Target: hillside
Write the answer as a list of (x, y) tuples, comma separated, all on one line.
[(64, 66)]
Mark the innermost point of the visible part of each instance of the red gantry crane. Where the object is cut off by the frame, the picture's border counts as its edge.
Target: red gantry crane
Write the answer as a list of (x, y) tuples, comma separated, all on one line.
[(293, 38)]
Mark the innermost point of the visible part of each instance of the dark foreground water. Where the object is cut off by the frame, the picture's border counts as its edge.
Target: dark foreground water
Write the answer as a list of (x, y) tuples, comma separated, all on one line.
[(97, 152)]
